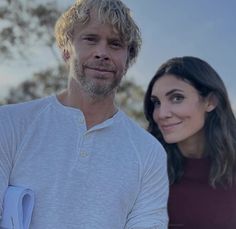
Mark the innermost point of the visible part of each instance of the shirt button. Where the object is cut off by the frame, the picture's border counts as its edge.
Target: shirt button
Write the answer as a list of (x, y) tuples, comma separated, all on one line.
[(83, 154)]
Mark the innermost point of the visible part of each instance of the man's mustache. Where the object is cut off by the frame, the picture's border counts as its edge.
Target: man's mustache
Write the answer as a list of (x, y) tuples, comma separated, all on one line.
[(100, 66)]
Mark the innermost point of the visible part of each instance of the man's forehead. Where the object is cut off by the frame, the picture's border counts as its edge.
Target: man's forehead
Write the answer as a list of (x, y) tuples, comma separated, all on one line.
[(99, 20), (98, 27)]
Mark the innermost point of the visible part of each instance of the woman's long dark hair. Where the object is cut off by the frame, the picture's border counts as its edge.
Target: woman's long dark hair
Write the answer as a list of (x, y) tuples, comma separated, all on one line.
[(220, 124)]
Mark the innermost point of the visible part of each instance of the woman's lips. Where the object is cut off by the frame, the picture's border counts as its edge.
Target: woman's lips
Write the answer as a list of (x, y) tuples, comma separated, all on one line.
[(169, 127)]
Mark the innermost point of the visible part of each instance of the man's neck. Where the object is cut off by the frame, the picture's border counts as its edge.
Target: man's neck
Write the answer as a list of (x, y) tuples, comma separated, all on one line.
[(95, 110)]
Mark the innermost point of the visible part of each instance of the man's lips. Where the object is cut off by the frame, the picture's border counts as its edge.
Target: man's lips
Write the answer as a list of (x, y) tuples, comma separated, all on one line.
[(99, 69)]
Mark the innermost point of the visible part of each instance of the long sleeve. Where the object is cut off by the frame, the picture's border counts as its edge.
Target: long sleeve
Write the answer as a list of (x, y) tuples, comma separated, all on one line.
[(6, 147)]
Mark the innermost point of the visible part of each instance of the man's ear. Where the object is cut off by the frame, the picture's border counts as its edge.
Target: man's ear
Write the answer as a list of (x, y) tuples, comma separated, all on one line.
[(211, 102), (66, 55), (126, 66)]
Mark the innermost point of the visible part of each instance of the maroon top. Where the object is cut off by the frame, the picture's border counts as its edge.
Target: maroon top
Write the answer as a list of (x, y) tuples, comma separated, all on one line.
[(194, 204)]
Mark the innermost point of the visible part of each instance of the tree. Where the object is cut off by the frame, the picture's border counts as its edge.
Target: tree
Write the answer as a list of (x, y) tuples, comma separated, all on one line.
[(24, 24)]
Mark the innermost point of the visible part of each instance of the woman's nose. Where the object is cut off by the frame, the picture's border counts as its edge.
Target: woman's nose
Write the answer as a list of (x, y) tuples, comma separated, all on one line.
[(162, 112)]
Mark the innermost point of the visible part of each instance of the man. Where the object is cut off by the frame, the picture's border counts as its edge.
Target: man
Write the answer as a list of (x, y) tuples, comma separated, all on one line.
[(88, 164)]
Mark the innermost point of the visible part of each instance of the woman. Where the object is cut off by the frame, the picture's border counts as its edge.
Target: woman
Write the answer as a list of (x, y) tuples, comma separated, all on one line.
[(188, 110)]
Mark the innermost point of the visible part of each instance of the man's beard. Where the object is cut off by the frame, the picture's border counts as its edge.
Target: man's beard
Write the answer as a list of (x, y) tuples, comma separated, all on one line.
[(93, 88)]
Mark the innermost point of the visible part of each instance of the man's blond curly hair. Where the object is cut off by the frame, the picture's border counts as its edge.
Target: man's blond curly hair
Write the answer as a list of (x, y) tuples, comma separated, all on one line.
[(113, 12)]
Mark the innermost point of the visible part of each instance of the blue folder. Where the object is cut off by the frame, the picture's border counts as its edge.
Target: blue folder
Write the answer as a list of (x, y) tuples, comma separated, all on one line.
[(17, 208)]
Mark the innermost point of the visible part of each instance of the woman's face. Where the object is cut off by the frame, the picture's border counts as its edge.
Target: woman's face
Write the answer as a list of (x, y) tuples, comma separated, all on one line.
[(179, 110)]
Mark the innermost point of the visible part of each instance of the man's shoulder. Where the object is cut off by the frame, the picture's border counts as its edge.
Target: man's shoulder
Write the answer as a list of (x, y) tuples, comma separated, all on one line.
[(133, 125), (24, 109), (145, 146), (138, 133)]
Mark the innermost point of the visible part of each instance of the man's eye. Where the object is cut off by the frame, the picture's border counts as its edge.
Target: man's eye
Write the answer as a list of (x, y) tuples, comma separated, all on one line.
[(116, 44), (89, 39)]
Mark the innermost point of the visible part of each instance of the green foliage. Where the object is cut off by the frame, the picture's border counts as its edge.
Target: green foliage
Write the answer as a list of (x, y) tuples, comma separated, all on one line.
[(25, 23)]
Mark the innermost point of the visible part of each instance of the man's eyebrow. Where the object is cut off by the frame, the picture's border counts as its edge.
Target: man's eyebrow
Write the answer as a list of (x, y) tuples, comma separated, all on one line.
[(89, 34)]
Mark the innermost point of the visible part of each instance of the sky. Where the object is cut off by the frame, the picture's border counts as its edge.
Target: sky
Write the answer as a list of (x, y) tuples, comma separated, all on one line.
[(170, 28)]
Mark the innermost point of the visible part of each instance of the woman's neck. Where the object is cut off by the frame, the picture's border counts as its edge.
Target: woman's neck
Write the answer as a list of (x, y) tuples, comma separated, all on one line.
[(193, 147)]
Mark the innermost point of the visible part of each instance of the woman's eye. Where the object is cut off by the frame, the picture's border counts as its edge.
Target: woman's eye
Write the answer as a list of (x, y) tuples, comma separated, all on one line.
[(156, 103), (177, 98)]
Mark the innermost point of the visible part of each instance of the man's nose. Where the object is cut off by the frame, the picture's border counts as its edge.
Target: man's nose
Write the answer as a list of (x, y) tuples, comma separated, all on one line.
[(102, 52)]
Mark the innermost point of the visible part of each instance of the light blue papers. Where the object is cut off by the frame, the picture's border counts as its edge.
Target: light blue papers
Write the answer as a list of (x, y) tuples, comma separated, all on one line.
[(17, 208)]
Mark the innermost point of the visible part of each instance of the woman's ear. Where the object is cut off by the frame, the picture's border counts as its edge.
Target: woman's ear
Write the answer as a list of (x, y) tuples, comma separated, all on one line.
[(211, 102)]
